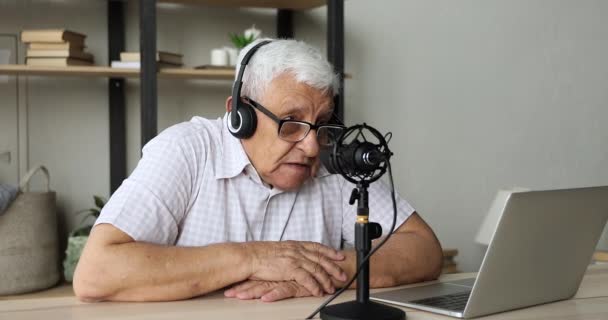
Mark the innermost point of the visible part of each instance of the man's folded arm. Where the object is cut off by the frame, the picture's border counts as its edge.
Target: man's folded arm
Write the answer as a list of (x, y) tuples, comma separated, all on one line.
[(412, 254), (115, 267)]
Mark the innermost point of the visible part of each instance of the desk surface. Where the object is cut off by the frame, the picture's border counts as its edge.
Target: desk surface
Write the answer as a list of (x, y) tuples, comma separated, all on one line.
[(590, 302)]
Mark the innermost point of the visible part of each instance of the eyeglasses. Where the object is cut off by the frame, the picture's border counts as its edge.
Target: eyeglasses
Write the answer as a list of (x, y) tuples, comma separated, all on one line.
[(295, 130)]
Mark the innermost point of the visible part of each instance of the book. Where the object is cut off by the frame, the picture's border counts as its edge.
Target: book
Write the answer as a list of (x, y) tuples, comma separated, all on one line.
[(211, 67), (448, 259), (137, 65), (450, 269), (600, 256), (77, 54), (161, 56), (55, 46), (52, 36), (450, 252), (56, 62), (449, 263)]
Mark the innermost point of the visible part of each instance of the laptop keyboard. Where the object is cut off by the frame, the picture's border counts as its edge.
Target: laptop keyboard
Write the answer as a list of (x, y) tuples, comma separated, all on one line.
[(454, 302)]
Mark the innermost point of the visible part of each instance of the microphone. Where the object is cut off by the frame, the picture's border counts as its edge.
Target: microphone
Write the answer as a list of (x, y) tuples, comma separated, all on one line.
[(360, 153), (360, 156)]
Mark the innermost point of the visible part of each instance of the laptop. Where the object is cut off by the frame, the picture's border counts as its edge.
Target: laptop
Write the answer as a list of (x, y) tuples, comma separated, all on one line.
[(539, 253)]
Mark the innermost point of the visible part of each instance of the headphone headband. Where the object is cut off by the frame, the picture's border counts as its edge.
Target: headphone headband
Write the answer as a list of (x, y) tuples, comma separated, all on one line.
[(238, 84)]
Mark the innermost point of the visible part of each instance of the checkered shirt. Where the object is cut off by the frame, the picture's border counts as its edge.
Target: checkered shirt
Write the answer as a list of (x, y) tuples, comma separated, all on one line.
[(195, 186)]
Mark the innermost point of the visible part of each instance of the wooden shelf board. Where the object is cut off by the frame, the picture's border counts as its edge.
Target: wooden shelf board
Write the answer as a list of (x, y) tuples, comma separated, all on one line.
[(108, 72), (95, 71), (277, 4), (187, 73)]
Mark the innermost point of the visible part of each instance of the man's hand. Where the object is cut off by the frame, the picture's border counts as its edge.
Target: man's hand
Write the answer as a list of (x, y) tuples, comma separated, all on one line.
[(267, 291), (310, 264)]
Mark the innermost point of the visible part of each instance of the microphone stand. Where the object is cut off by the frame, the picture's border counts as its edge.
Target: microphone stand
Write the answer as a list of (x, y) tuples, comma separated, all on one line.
[(365, 232)]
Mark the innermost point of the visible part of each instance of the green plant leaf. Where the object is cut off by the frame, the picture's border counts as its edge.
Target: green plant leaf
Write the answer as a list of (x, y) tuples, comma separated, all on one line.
[(95, 212), (99, 201), (236, 40), (240, 41), (88, 211), (82, 231), (87, 217)]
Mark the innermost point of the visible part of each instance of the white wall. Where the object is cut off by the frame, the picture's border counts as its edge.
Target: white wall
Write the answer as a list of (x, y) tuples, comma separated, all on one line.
[(480, 95)]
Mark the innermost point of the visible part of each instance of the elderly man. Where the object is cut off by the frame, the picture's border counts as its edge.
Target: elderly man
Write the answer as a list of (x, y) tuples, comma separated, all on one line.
[(257, 215)]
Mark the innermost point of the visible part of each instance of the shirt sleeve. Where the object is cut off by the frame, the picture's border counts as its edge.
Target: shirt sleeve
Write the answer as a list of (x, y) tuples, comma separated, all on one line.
[(380, 210), (150, 204)]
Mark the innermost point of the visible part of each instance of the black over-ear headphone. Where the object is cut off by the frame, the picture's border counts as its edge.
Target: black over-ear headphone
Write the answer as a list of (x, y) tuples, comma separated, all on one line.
[(242, 118)]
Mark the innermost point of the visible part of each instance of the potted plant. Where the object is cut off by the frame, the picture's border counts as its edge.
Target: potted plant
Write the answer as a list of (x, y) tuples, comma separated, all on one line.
[(78, 238), (241, 41)]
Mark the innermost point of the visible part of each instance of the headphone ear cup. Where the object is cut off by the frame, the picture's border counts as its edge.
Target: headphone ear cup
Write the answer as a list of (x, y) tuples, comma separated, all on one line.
[(249, 122)]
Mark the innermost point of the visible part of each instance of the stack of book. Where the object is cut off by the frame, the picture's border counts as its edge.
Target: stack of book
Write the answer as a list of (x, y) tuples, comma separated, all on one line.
[(55, 47), (131, 60), (600, 257), (449, 264)]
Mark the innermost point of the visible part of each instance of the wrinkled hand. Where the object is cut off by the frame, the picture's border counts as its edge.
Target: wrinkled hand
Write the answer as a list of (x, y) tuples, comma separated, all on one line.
[(267, 291), (310, 264)]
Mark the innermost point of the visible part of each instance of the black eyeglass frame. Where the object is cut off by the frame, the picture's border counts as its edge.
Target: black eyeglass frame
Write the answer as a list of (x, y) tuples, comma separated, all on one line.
[(280, 121)]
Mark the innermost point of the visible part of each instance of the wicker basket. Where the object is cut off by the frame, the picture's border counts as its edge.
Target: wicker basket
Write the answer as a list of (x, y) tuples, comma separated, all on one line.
[(29, 247)]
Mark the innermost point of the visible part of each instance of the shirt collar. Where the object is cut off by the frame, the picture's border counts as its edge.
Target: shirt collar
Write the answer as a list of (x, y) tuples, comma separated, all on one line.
[(323, 172), (232, 159)]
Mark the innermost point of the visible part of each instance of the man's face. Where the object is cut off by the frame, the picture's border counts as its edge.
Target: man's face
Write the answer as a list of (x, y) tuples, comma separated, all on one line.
[(286, 165)]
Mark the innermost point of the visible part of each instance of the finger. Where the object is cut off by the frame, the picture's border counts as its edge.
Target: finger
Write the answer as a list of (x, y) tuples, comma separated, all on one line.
[(320, 275), (330, 253), (289, 289), (298, 289), (280, 292), (328, 265), (309, 282), (232, 292), (316, 257), (256, 291)]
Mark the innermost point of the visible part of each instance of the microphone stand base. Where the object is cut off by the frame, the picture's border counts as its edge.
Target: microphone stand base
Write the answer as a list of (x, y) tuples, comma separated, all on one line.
[(360, 311)]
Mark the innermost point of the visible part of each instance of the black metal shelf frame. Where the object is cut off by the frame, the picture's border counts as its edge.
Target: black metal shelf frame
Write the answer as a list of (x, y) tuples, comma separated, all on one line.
[(148, 74), (116, 92)]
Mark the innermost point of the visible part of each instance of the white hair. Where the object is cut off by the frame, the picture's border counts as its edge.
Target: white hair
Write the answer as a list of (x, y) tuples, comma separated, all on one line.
[(304, 62)]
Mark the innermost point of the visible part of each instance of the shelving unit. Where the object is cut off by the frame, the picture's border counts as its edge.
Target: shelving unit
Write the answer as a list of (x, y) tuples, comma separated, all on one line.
[(149, 74)]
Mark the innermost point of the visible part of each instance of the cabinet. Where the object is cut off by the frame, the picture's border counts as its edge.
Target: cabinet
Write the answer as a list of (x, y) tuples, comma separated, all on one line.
[(148, 74)]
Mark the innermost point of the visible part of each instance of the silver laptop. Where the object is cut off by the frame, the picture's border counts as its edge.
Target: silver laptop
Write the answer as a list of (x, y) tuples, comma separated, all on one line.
[(539, 253)]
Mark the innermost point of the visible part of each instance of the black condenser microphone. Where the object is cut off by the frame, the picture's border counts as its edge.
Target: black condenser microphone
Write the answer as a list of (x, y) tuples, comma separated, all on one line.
[(361, 155), (358, 153)]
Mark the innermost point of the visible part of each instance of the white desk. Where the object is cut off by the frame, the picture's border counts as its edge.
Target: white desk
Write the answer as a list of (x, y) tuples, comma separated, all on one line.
[(591, 302)]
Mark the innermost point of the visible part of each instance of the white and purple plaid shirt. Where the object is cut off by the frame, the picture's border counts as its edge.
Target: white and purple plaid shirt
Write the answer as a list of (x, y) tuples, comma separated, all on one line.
[(195, 186)]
